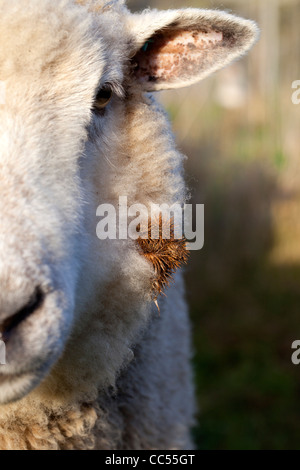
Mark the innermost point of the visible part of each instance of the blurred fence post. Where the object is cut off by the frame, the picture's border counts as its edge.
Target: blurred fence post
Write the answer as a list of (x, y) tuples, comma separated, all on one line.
[(269, 13)]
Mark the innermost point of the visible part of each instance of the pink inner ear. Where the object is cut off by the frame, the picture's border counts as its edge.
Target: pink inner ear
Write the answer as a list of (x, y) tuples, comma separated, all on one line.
[(175, 54)]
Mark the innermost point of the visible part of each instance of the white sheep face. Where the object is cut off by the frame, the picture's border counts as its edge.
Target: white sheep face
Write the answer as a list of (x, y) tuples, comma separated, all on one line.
[(58, 156)]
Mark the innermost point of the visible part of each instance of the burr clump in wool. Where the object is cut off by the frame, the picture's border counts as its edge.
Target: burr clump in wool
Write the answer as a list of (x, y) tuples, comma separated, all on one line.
[(166, 256)]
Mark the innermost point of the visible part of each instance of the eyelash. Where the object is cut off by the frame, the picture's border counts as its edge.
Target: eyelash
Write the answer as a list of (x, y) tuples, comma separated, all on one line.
[(102, 98)]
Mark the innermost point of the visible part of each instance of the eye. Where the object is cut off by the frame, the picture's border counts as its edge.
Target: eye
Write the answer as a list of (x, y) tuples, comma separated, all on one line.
[(103, 97)]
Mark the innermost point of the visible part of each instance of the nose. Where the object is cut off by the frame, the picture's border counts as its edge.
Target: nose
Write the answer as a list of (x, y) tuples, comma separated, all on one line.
[(11, 322)]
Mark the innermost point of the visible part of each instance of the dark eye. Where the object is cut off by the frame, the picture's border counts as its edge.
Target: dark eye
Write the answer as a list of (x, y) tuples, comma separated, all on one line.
[(103, 97)]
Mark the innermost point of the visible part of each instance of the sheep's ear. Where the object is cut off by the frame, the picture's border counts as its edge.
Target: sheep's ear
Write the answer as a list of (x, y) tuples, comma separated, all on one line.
[(176, 48)]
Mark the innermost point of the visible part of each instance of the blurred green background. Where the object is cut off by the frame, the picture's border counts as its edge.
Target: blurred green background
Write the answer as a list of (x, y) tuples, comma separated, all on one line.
[(240, 131)]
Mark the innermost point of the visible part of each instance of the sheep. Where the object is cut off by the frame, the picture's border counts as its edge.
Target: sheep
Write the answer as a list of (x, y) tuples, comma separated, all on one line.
[(90, 363)]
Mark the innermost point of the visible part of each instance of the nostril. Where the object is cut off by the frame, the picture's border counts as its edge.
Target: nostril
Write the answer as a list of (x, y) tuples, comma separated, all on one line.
[(34, 303)]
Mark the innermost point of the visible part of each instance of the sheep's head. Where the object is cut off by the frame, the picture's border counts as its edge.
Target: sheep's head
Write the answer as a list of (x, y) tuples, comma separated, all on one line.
[(74, 75)]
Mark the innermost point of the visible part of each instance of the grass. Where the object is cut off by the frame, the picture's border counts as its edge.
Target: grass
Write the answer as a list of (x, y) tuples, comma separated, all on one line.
[(247, 386)]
